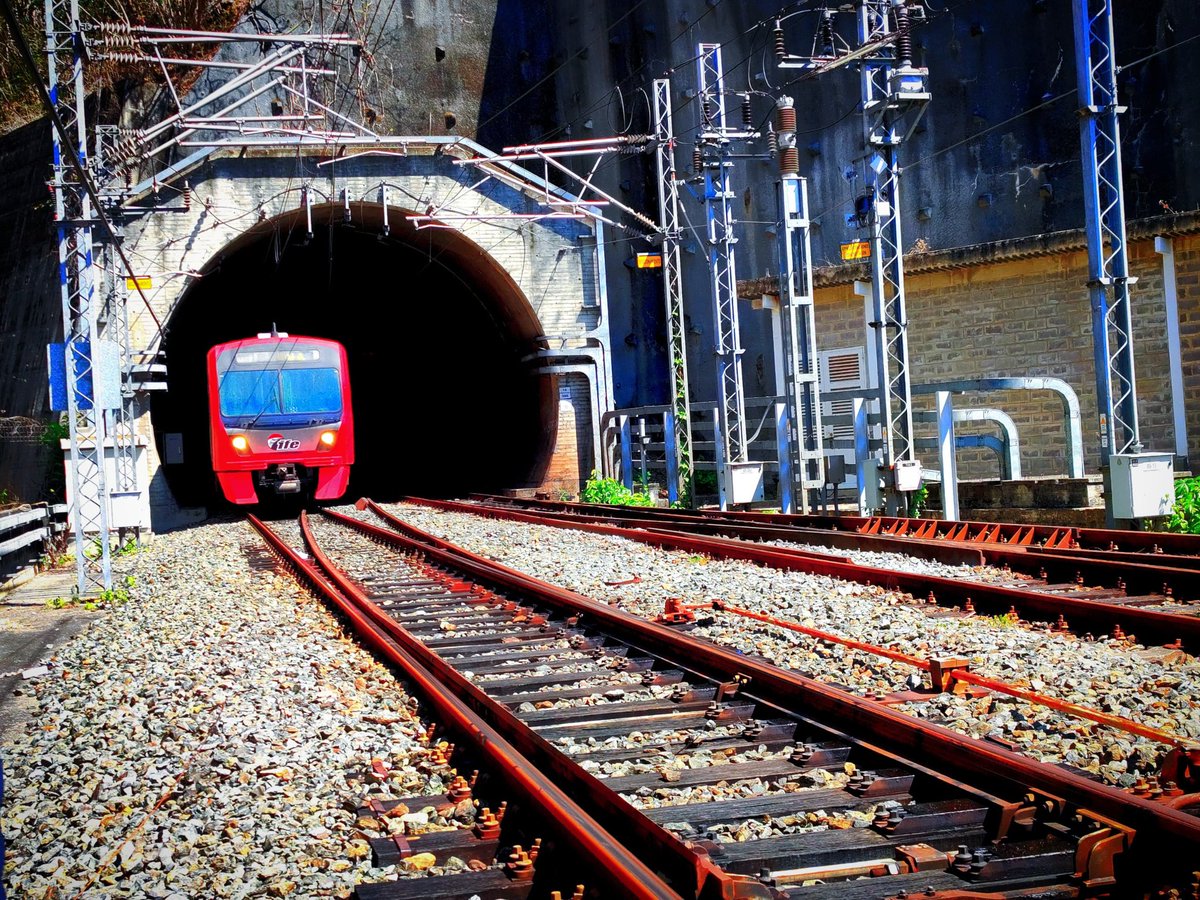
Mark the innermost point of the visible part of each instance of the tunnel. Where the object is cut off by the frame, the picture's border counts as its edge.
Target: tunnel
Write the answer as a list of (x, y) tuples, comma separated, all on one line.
[(434, 330)]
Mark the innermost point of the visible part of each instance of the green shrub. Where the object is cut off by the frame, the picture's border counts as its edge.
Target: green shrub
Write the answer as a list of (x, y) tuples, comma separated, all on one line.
[(1185, 516), (611, 491), (705, 482)]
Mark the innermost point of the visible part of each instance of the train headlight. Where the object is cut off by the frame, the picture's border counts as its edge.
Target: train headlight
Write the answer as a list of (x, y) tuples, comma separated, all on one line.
[(328, 439), (240, 444)]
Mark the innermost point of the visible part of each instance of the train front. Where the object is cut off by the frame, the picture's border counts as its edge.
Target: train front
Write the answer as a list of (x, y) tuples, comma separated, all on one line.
[(280, 418)]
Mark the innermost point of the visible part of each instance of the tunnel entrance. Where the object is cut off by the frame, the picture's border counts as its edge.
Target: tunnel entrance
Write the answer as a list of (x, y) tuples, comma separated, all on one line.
[(434, 330)]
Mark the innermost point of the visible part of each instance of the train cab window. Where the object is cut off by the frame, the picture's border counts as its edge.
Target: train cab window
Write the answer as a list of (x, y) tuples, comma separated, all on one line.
[(311, 391), (249, 394)]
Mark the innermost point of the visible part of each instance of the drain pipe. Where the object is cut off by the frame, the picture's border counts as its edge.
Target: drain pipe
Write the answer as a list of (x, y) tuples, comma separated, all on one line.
[(1165, 247), (1072, 421)]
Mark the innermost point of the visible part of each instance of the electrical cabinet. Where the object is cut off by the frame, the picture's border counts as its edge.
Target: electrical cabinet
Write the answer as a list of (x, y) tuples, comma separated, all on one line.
[(1143, 484)]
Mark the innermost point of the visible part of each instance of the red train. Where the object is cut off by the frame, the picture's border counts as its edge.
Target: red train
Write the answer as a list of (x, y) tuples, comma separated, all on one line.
[(280, 419)]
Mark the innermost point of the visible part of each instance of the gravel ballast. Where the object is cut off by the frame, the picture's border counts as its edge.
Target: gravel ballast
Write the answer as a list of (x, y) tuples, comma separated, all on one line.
[(211, 737), (1107, 675)]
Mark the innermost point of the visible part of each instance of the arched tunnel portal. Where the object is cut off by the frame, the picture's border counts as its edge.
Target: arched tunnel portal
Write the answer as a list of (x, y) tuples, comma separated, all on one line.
[(435, 332)]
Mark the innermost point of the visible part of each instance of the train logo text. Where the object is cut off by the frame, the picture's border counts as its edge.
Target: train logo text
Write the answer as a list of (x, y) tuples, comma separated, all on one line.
[(279, 442)]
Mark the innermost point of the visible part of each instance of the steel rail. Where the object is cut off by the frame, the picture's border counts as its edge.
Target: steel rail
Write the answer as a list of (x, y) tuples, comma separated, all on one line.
[(951, 554), (1163, 833), (967, 677), (1093, 538), (1151, 626), (1135, 570), (622, 870), (686, 862)]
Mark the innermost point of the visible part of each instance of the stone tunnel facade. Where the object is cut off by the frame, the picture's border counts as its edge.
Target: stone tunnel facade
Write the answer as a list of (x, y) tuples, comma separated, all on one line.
[(541, 267)]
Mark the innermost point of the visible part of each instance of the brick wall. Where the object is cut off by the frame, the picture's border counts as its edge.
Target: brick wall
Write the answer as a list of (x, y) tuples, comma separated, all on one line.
[(1032, 317), (572, 461)]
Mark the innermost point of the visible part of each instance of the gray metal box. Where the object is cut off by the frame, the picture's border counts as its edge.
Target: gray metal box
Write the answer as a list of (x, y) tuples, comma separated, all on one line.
[(745, 484), (1143, 484), (907, 474)]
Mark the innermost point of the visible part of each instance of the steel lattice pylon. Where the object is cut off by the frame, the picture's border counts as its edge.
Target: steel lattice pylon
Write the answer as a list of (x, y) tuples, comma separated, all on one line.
[(73, 214), (715, 136), (679, 431), (1104, 207), (799, 338), (894, 98)]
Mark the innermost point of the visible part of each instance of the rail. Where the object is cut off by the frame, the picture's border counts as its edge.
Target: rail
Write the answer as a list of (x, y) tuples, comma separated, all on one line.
[(987, 767), (1151, 625), (625, 873)]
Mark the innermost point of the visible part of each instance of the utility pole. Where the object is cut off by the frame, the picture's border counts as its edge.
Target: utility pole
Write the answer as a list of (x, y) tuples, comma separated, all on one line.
[(73, 216), (738, 479), (804, 455), (93, 379), (1136, 484), (894, 97), (678, 434)]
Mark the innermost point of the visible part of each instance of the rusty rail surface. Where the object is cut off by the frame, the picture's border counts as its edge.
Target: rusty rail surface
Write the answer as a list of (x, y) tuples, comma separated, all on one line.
[(1054, 552), (1165, 835), (950, 674), (1151, 626), (624, 872)]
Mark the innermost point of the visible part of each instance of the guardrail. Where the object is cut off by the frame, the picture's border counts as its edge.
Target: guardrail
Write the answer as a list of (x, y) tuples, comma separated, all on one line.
[(25, 533)]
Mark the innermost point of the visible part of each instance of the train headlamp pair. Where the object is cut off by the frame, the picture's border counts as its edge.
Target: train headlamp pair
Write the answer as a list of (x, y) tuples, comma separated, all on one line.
[(242, 445)]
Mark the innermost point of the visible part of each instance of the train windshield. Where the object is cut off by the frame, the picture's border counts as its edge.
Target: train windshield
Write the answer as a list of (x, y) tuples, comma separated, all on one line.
[(311, 390), (279, 386), (250, 394)]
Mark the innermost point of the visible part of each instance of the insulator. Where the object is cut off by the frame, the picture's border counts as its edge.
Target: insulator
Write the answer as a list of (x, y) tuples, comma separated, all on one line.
[(187, 196), (825, 33), (697, 160), (131, 58), (780, 48), (904, 45), (747, 114), (772, 141), (789, 161), (785, 119), (706, 110)]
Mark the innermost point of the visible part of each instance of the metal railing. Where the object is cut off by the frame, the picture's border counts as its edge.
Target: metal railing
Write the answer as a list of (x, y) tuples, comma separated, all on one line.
[(26, 532)]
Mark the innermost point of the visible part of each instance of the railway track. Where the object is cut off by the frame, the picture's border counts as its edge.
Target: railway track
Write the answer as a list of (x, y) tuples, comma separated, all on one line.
[(1077, 589), (680, 768)]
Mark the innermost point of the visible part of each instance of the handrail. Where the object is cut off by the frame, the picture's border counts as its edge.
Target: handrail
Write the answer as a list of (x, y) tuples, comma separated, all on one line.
[(20, 529), (1072, 419)]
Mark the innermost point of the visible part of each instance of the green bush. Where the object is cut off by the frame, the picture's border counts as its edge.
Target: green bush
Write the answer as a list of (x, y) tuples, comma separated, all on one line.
[(611, 491), (705, 481), (1185, 516)]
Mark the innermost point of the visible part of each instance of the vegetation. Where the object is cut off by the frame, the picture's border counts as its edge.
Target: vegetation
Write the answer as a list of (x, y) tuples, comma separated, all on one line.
[(19, 102), (1185, 517), (705, 482), (916, 501), (117, 596), (611, 491), (1004, 621), (56, 473)]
